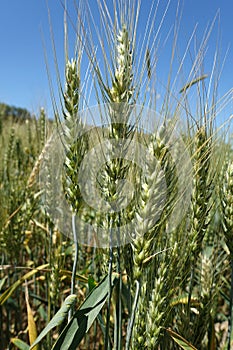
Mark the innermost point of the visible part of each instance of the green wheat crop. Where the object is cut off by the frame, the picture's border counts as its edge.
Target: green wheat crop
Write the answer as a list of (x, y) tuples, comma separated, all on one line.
[(146, 260)]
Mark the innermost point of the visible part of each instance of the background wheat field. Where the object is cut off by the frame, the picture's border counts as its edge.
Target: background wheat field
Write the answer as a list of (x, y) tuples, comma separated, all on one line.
[(154, 268)]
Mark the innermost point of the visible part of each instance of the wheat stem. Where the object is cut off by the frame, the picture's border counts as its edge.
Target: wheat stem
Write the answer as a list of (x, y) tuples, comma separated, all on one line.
[(133, 315), (75, 264), (230, 318)]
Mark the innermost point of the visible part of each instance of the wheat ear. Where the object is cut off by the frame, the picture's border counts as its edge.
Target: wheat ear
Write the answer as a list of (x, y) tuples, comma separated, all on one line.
[(227, 214)]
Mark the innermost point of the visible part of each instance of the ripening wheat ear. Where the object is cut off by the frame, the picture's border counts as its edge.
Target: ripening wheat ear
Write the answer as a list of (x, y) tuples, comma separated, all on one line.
[(210, 275), (119, 131), (149, 207), (157, 307), (75, 144), (227, 206), (75, 140), (202, 186), (154, 202), (116, 168), (122, 88), (9, 154), (42, 157), (227, 220)]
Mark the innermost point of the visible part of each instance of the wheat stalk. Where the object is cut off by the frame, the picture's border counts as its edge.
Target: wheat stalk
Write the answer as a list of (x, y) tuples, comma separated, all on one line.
[(153, 202), (227, 214), (75, 147), (202, 186)]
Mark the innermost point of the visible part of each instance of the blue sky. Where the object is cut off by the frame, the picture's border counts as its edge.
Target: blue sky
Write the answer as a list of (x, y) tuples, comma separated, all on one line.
[(23, 24)]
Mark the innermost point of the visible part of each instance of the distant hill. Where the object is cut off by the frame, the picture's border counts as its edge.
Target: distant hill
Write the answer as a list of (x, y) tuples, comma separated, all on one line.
[(17, 113)]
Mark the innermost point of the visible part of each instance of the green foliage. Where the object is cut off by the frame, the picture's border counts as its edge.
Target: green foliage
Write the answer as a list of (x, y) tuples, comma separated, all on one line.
[(8, 292), (180, 340), (20, 344), (84, 317), (58, 318)]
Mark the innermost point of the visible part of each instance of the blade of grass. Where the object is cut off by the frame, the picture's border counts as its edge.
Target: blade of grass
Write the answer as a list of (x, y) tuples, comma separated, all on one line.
[(183, 343), (32, 330), (20, 344), (84, 317), (57, 319), (9, 291), (193, 82)]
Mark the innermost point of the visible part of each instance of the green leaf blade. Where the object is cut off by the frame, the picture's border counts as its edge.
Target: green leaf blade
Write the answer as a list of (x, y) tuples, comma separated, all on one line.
[(57, 319), (82, 320), (183, 343), (20, 344), (9, 291)]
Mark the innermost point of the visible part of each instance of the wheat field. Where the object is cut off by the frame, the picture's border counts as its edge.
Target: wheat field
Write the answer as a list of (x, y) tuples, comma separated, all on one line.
[(119, 235)]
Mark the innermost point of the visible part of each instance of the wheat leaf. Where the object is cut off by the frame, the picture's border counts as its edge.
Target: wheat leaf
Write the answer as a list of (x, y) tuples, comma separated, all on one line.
[(82, 320), (2, 282), (193, 82), (184, 300), (57, 319), (79, 277), (32, 331), (20, 344), (9, 291), (183, 343)]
